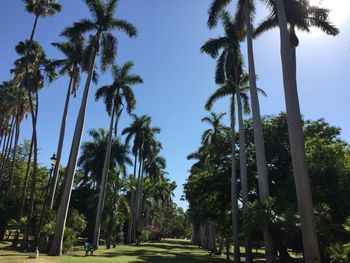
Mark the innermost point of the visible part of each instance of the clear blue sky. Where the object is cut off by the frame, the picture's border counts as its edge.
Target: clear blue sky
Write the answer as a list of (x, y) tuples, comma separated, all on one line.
[(178, 79)]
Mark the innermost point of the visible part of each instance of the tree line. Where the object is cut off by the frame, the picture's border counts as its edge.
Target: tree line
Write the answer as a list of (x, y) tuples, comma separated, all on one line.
[(93, 195), (224, 152)]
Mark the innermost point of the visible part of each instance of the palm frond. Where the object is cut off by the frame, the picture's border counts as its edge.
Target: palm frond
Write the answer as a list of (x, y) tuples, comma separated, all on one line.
[(216, 7), (125, 26)]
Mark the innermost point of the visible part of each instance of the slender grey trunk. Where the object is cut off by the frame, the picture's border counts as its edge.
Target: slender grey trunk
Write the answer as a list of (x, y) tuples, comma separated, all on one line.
[(57, 243), (25, 185), (53, 185), (234, 193), (132, 201), (212, 239), (263, 180), (136, 204), (140, 192), (35, 167), (14, 156), (5, 152), (244, 175), (103, 186), (4, 140), (297, 142)]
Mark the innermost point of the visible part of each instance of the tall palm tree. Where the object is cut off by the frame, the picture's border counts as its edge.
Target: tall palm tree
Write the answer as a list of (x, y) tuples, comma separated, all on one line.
[(102, 41), (114, 95), (150, 149), (8, 111), (139, 130), (41, 8), (298, 14), (22, 108), (73, 51), (244, 16), (229, 71), (32, 70)]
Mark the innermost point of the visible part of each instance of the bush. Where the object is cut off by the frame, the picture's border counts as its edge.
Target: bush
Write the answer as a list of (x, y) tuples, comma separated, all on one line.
[(76, 224), (340, 253)]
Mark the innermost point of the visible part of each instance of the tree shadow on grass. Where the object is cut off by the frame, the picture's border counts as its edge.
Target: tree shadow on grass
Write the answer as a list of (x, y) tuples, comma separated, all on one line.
[(148, 256), (163, 252)]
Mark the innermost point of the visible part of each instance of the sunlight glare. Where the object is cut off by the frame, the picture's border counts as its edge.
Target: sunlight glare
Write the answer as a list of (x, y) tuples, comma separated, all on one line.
[(340, 9)]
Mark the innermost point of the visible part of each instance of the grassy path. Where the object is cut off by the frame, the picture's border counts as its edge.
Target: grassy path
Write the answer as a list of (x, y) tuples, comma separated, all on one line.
[(168, 251)]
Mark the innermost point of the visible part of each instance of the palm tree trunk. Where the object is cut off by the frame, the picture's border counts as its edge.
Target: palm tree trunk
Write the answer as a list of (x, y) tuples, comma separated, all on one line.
[(7, 149), (57, 243), (132, 201), (34, 113), (140, 195), (103, 186), (244, 175), (136, 205), (14, 156), (4, 140), (234, 193), (25, 185), (53, 185), (263, 179), (297, 142)]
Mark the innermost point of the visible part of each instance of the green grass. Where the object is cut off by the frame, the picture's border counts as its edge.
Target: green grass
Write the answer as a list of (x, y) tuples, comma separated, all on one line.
[(168, 251)]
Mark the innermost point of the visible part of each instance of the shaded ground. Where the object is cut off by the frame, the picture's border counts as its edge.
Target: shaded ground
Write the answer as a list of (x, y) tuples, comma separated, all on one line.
[(169, 251)]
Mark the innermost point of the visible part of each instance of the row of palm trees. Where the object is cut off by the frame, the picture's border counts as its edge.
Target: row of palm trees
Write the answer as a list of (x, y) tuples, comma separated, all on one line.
[(287, 15), (90, 46)]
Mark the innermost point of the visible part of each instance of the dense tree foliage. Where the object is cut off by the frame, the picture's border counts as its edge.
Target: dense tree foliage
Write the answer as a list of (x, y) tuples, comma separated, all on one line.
[(328, 156)]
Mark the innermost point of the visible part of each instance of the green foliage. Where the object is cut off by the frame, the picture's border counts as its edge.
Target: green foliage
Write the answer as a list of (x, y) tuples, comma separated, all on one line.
[(207, 187), (340, 252), (76, 224)]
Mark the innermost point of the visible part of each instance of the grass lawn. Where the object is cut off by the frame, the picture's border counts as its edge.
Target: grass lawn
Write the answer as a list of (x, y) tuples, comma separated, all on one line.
[(168, 251)]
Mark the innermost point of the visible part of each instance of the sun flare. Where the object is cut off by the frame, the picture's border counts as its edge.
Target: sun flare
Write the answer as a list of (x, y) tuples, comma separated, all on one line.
[(340, 9)]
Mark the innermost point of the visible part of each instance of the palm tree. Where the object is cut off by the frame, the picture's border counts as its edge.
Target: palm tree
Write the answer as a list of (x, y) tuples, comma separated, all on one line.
[(22, 108), (92, 157), (141, 131), (150, 149), (298, 14), (32, 69), (41, 8), (8, 111), (118, 206), (210, 135), (102, 41), (114, 95), (229, 69), (73, 51), (244, 14)]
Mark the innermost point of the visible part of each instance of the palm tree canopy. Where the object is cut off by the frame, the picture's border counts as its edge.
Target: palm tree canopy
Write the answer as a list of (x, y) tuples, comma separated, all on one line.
[(228, 89), (93, 153), (301, 15), (120, 90), (217, 7), (142, 132), (73, 51), (228, 45), (33, 59), (101, 26), (214, 120), (43, 8)]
